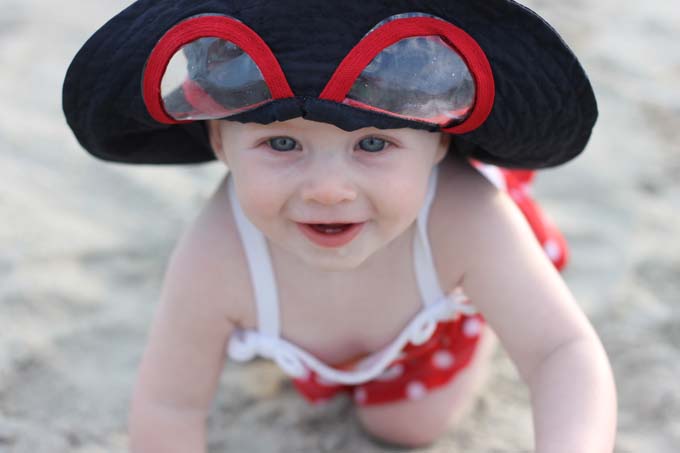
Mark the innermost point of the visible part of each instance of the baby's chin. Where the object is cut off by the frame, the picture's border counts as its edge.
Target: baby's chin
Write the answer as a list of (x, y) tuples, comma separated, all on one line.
[(335, 265), (342, 259), (338, 260)]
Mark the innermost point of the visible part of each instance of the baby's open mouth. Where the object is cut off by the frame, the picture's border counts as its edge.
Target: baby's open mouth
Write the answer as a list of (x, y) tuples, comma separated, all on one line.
[(330, 228), (331, 235)]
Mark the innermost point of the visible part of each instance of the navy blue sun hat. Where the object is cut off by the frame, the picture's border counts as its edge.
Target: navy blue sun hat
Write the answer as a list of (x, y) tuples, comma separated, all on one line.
[(493, 74)]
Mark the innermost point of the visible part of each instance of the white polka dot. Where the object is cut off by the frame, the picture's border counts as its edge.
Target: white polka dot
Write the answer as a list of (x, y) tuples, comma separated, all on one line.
[(360, 395), (472, 327), (392, 373), (416, 390), (443, 359), (552, 249)]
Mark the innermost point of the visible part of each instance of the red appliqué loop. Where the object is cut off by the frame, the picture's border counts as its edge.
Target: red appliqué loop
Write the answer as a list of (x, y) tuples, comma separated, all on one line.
[(363, 53), (216, 26)]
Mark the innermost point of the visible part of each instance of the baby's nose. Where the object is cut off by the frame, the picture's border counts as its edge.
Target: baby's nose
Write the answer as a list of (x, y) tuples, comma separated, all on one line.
[(329, 188)]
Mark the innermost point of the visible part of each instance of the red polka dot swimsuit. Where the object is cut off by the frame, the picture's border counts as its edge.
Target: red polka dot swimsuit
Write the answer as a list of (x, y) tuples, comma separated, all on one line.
[(432, 349), (417, 370)]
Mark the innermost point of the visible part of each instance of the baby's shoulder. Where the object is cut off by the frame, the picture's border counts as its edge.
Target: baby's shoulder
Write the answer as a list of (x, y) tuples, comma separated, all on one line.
[(467, 211), (208, 262)]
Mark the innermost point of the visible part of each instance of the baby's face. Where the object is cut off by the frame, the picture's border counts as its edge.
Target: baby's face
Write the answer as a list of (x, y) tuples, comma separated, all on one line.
[(330, 197)]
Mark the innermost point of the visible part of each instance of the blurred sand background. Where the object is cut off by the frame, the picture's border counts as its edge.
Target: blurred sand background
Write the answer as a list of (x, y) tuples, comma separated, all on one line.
[(83, 246)]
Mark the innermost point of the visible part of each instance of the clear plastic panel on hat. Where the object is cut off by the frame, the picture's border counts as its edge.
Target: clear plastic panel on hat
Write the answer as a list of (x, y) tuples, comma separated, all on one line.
[(421, 78), (211, 78)]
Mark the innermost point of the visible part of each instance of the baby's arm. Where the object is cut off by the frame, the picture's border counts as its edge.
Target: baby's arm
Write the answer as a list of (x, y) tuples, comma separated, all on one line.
[(550, 340), (180, 369)]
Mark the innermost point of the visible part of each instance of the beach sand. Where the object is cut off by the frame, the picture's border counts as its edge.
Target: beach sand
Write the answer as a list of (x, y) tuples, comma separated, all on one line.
[(83, 247)]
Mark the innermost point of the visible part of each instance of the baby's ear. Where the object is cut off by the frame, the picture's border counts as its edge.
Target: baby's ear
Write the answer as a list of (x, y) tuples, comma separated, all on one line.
[(215, 137)]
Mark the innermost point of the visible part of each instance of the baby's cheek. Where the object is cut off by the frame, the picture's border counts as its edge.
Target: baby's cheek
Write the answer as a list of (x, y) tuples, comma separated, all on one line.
[(260, 204), (402, 202), (260, 207)]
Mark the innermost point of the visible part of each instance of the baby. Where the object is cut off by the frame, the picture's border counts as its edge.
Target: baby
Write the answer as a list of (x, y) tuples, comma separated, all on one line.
[(361, 237)]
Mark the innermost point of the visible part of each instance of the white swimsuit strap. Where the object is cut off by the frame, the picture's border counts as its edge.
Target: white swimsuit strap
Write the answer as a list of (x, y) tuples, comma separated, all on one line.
[(426, 273), (261, 271)]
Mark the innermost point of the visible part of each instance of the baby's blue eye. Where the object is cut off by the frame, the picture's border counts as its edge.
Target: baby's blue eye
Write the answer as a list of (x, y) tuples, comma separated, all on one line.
[(283, 144), (372, 144)]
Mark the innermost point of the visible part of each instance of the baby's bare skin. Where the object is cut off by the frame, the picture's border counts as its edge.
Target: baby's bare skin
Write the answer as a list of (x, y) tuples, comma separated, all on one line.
[(480, 243)]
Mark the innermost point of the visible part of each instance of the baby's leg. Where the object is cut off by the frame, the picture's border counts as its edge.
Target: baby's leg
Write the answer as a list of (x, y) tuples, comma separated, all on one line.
[(421, 422)]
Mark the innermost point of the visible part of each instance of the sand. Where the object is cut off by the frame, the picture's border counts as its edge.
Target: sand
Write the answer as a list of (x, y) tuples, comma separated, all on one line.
[(83, 247)]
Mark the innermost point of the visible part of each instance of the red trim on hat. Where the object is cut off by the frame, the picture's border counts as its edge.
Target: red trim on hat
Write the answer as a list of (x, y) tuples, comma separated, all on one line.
[(390, 33), (222, 27)]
